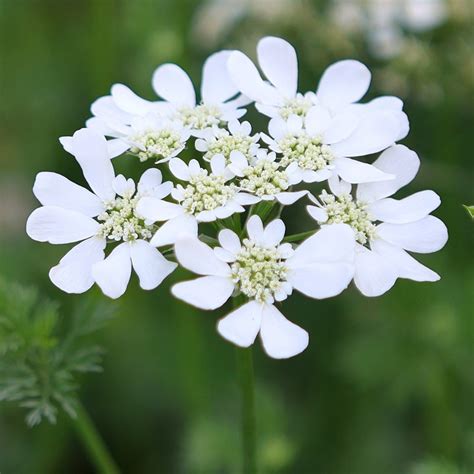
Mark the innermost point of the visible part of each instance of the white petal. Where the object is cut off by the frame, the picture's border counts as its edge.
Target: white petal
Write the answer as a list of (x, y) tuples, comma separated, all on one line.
[(375, 132), (52, 189), (128, 101), (241, 326), (338, 186), (180, 169), (224, 255), (289, 198), (353, 171), (171, 231), (278, 61), (199, 258), (59, 226), (245, 76), (123, 186), (216, 84), (398, 160), (157, 210), (255, 229), (333, 243), (342, 83), (318, 214), (340, 127), (208, 292), (317, 120), (424, 236), (149, 180), (274, 233), (218, 164), (113, 273), (116, 147), (229, 241), (409, 209), (374, 274), (90, 150), (281, 338), (150, 266), (106, 108), (246, 199), (406, 265), (173, 84), (321, 280), (73, 274)]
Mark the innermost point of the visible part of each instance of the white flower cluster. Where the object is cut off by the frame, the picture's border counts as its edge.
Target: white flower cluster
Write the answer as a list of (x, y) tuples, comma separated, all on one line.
[(223, 175)]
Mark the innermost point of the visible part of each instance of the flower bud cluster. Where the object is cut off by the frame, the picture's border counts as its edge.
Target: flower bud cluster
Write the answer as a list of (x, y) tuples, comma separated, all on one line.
[(344, 209), (224, 143), (200, 117), (120, 221), (309, 152), (156, 144), (206, 192), (298, 105), (264, 179), (258, 272)]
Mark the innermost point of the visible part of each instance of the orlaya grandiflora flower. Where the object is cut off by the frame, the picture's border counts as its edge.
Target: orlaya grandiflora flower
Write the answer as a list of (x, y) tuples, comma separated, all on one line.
[(149, 137), (265, 270), (206, 197), (264, 177), (221, 141), (386, 228), (342, 84), (117, 114), (108, 214), (322, 146)]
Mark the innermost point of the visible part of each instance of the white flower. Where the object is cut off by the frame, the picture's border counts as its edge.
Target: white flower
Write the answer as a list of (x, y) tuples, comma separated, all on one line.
[(320, 145), (205, 198), (219, 141), (386, 228), (71, 213), (218, 103), (266, 178), (265, 270), (149, 137), (342, 84)]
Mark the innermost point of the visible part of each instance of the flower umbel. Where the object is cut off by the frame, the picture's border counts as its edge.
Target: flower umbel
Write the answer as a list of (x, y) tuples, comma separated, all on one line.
[(155, 144)]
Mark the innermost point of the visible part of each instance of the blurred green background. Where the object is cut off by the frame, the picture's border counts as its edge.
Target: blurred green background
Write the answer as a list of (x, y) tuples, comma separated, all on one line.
[(387, 384)]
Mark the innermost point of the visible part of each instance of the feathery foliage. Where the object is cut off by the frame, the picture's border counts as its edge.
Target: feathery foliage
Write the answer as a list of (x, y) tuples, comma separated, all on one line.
[(42, 353)]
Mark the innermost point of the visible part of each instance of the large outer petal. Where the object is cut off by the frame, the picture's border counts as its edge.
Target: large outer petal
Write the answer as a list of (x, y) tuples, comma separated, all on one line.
[(278, 61), (52, 189), (90, 150), (424, 236), (207, 292), (353, 171), (73, 274), (374, 274), (199, 258), (247, 79), (113, 273), (409, 209), (375, 132), (157, 210), (174, 85), (281, 338), (343, 83), (151, 267), (406, 265), (216, 84), (128, 101), (398, 160), (170, 231), (242, 325), (59, 226)]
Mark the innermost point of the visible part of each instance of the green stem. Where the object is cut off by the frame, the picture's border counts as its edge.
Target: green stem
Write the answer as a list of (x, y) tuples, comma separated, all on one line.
[(249, 433), (298, 237), (93, 442)]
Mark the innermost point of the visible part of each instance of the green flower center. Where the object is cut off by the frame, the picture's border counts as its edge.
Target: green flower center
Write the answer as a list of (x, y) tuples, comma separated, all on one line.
[(309, 152), (297, 106), (344, 209), (264, 179), (225, 144), (206, 193), (200, 117), (155, 144), (120, 222), (258, 272)]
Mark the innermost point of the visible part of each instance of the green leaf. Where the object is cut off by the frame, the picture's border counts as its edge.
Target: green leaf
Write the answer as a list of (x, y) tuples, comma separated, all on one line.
[(470, 210)]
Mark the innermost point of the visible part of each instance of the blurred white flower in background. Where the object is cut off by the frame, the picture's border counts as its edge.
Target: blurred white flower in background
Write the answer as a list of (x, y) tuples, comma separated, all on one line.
[(384, 21)]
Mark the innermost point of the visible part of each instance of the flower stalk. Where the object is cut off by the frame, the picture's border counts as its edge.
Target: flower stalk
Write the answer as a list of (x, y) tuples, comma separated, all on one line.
[(96, 449), (248, 427)]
